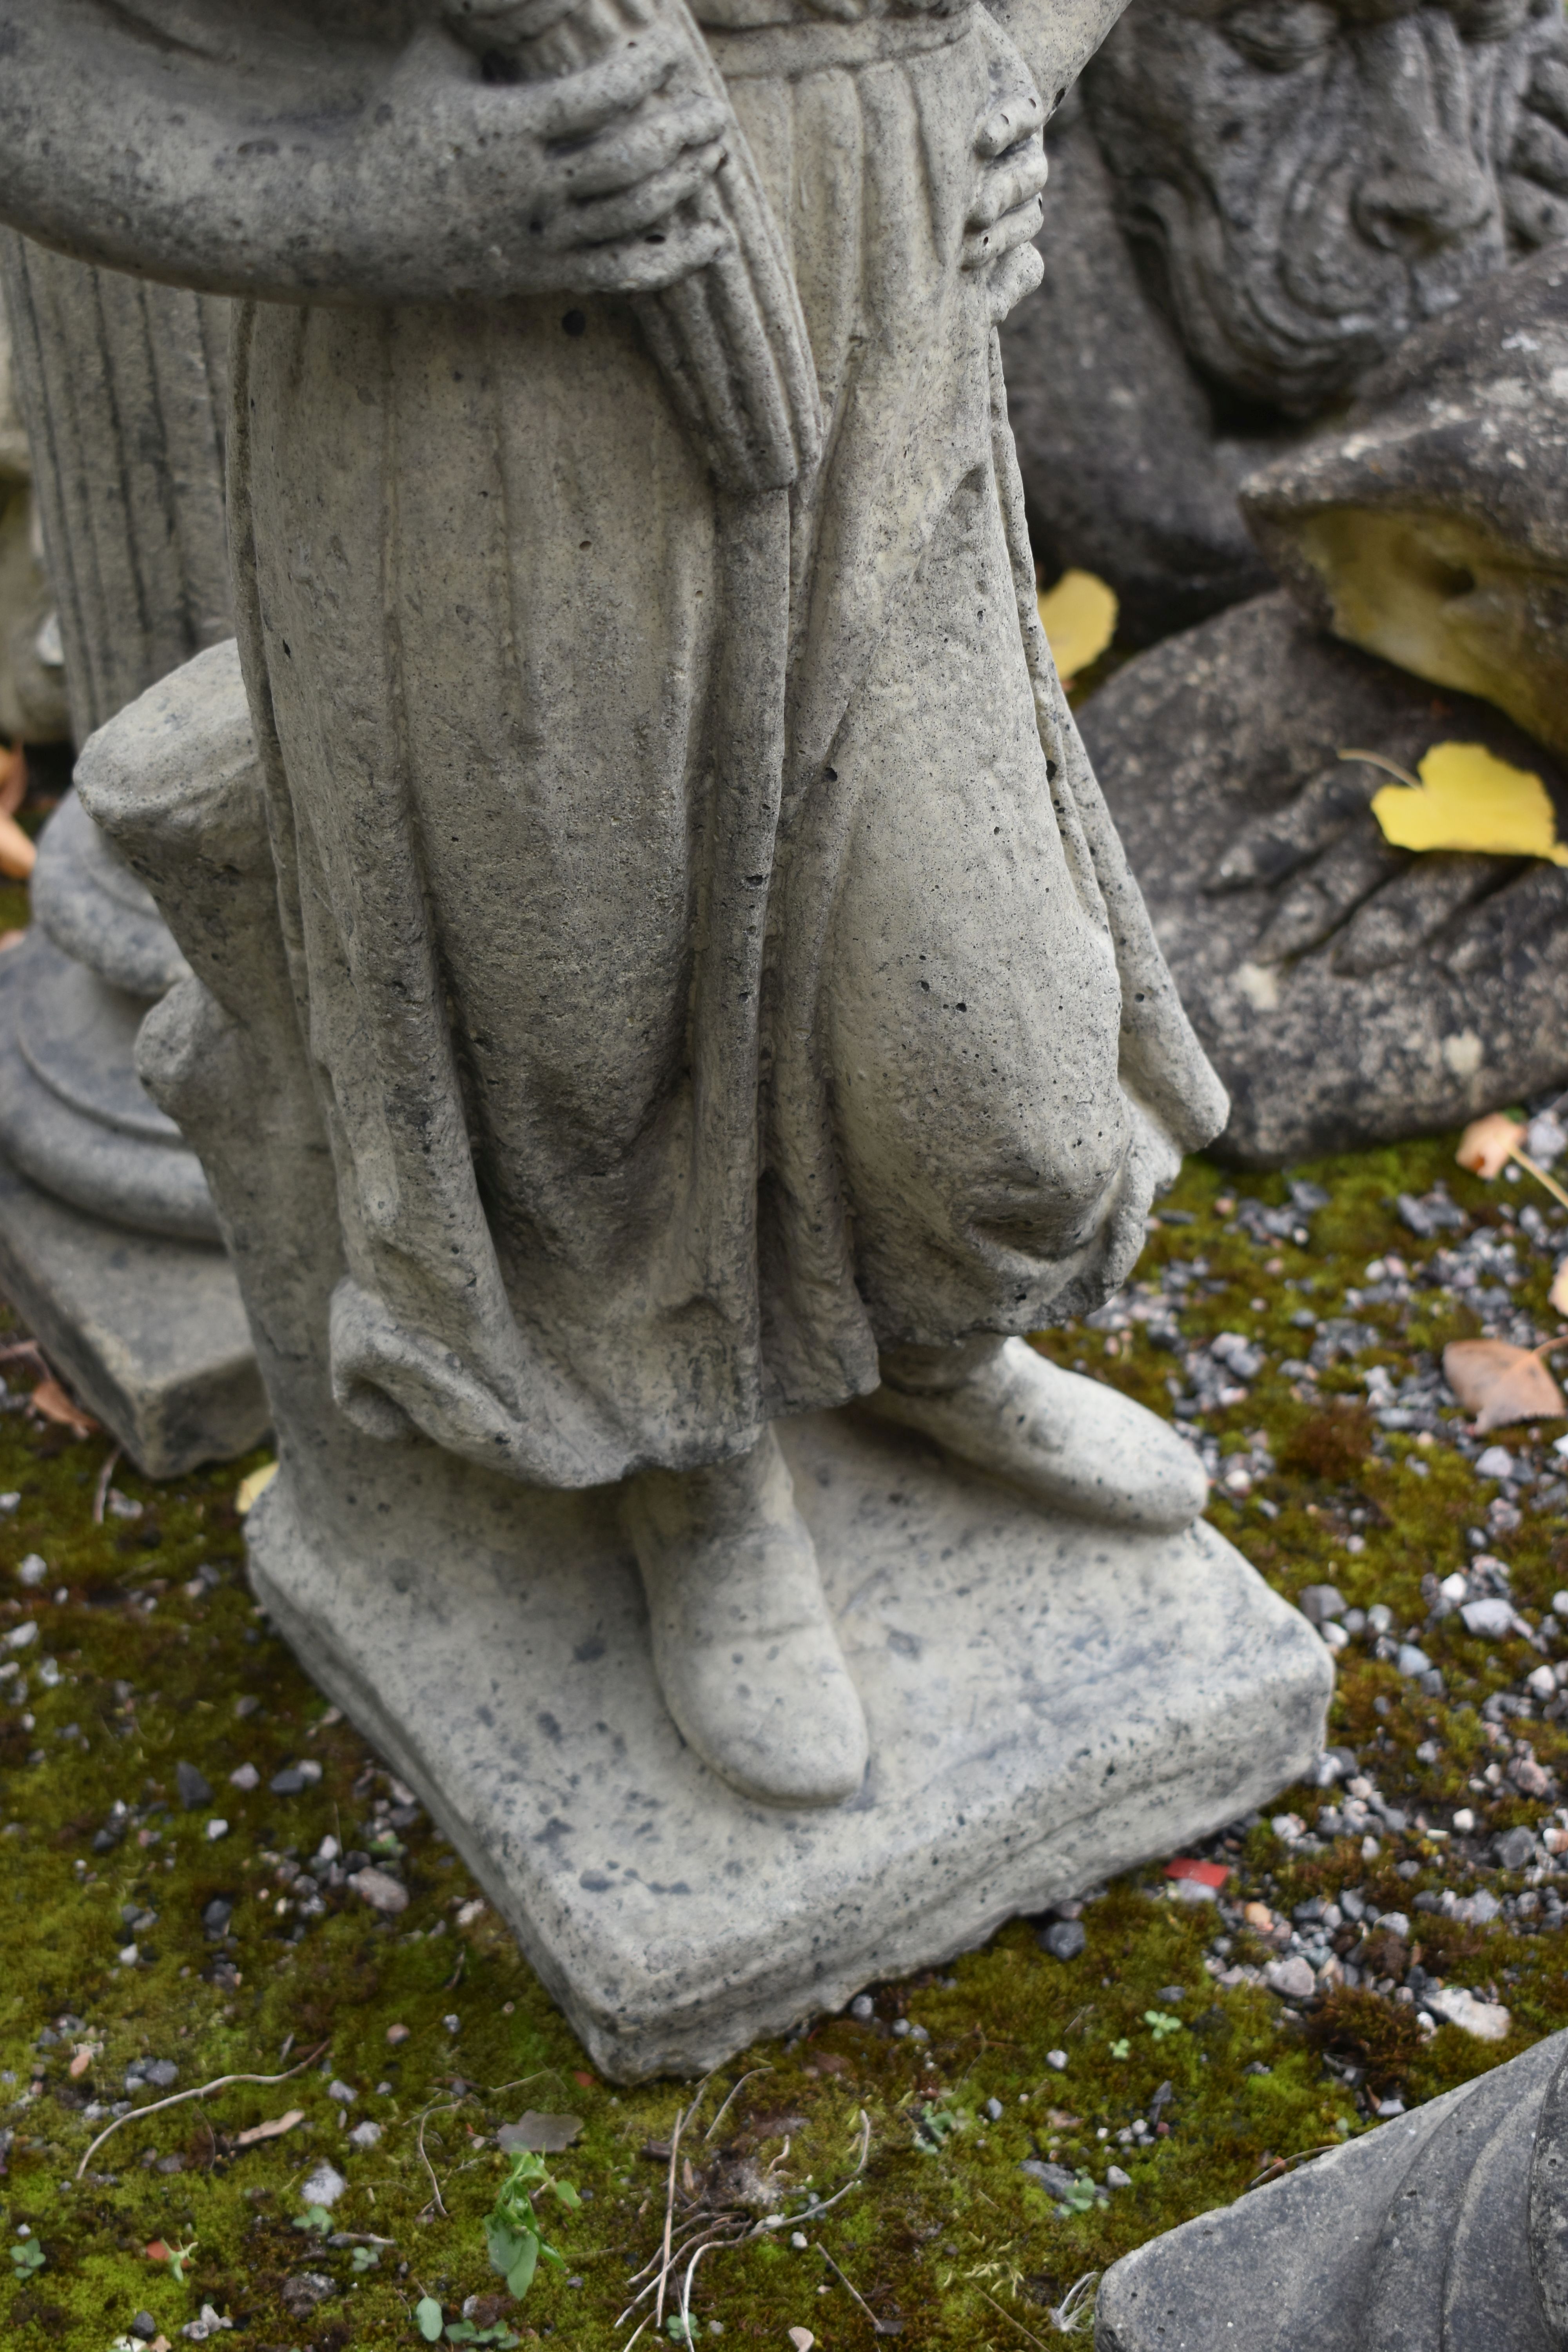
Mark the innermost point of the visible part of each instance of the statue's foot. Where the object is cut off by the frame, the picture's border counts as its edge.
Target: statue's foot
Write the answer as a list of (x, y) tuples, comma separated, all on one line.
[(742, 1643), (1071, 1441)]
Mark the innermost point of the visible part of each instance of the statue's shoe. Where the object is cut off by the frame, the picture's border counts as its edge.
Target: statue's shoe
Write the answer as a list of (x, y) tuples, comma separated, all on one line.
[(742, 1643), (1069, 1441)]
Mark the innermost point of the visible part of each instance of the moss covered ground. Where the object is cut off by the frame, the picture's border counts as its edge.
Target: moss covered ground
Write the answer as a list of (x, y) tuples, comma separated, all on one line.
[(137, 1648)]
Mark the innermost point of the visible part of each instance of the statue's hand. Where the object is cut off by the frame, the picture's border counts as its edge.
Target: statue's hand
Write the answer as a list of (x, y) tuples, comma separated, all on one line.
[(580, 184), (1007, 209)]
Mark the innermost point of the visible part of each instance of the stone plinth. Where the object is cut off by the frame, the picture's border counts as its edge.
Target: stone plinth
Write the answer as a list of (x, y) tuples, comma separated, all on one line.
[(1048, 1702), (150, 1333)]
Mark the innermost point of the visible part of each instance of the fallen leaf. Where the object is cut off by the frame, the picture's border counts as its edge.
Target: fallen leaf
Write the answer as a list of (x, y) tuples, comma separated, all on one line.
[(1206, 1873), (18, 856), (541, 2134), (1489, 1144), (49, 1400), (1058, 2119), (12, 780), (1470, 801), (273, 2129), (1500, 1383), (1079, 617), (1557, 1297), (250, 1490), (81, 2063), (588, 2082)]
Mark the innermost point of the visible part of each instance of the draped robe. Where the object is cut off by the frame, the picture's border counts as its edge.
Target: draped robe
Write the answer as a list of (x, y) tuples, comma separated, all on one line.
[(714, 953)]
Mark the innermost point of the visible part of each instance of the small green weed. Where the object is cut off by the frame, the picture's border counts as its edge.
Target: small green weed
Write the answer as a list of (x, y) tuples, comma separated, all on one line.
[(28, 2257), (512, 2237)]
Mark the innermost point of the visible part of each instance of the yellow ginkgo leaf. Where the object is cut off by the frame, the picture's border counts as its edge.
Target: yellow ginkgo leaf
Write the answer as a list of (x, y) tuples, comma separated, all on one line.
[(1470, 801), (1079, 617), (250, 1490)]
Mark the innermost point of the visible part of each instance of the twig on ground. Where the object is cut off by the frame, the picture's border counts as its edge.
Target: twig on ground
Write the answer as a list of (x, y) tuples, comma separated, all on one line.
[(881, 2326), (1009, 2319), (450, 2108), (1278, 2166), (734, 2094), (100, 1493), (202, 2091)]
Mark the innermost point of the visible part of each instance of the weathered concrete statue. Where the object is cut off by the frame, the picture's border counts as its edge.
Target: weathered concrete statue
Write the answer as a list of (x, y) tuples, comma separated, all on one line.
[(1350, 990), (684, 977), (1248, 209), (1444, 2231)]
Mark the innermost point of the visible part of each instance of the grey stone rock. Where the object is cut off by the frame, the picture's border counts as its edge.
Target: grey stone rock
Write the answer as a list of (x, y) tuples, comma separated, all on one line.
[(1231, 725), (149, 1332), (1443, 2231), (1515, 1849), (1245, 216), (1055, 2179), (1318, 1603), (1064, 1939), (193, 1787), (1431, 527)]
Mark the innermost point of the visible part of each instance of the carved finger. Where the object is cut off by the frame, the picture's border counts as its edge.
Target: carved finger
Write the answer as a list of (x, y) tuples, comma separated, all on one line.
[(619, 158), (1017, 273), (1397, 921), (647, 264), (1007, 185), (635, 212), (990, 245), (1272, 846), (574, 105), (1318, 903), (1016, 117)]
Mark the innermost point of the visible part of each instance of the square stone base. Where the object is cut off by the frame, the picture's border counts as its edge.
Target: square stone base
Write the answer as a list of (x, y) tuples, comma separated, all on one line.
[(1048, 1703), (150, 1333)]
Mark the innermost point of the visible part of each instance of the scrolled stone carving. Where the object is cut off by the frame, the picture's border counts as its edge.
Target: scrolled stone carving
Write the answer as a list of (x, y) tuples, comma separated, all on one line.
[(1251, 209), (1351, 992)]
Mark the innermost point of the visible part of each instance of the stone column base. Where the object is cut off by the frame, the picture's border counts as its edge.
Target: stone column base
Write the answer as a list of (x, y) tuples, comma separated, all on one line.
[(149, 1332)]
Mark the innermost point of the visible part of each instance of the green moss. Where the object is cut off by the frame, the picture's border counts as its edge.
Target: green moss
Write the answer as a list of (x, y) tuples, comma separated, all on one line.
[(943, 2229)]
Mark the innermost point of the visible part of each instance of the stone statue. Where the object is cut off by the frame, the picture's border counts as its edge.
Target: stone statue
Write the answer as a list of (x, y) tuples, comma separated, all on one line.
[(1444, 2230), (1350, 991), (1251, 207), (662, 967), (123, 388)]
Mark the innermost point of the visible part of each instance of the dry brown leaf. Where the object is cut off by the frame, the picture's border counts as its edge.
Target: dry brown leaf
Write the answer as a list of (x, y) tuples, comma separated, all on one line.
[(273, 2129), (12, 780), (1489, 1144), (1500, 1383), (18, 856), (543, 2134), (1557, 1295), (81, 2063), (50, 1401)]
